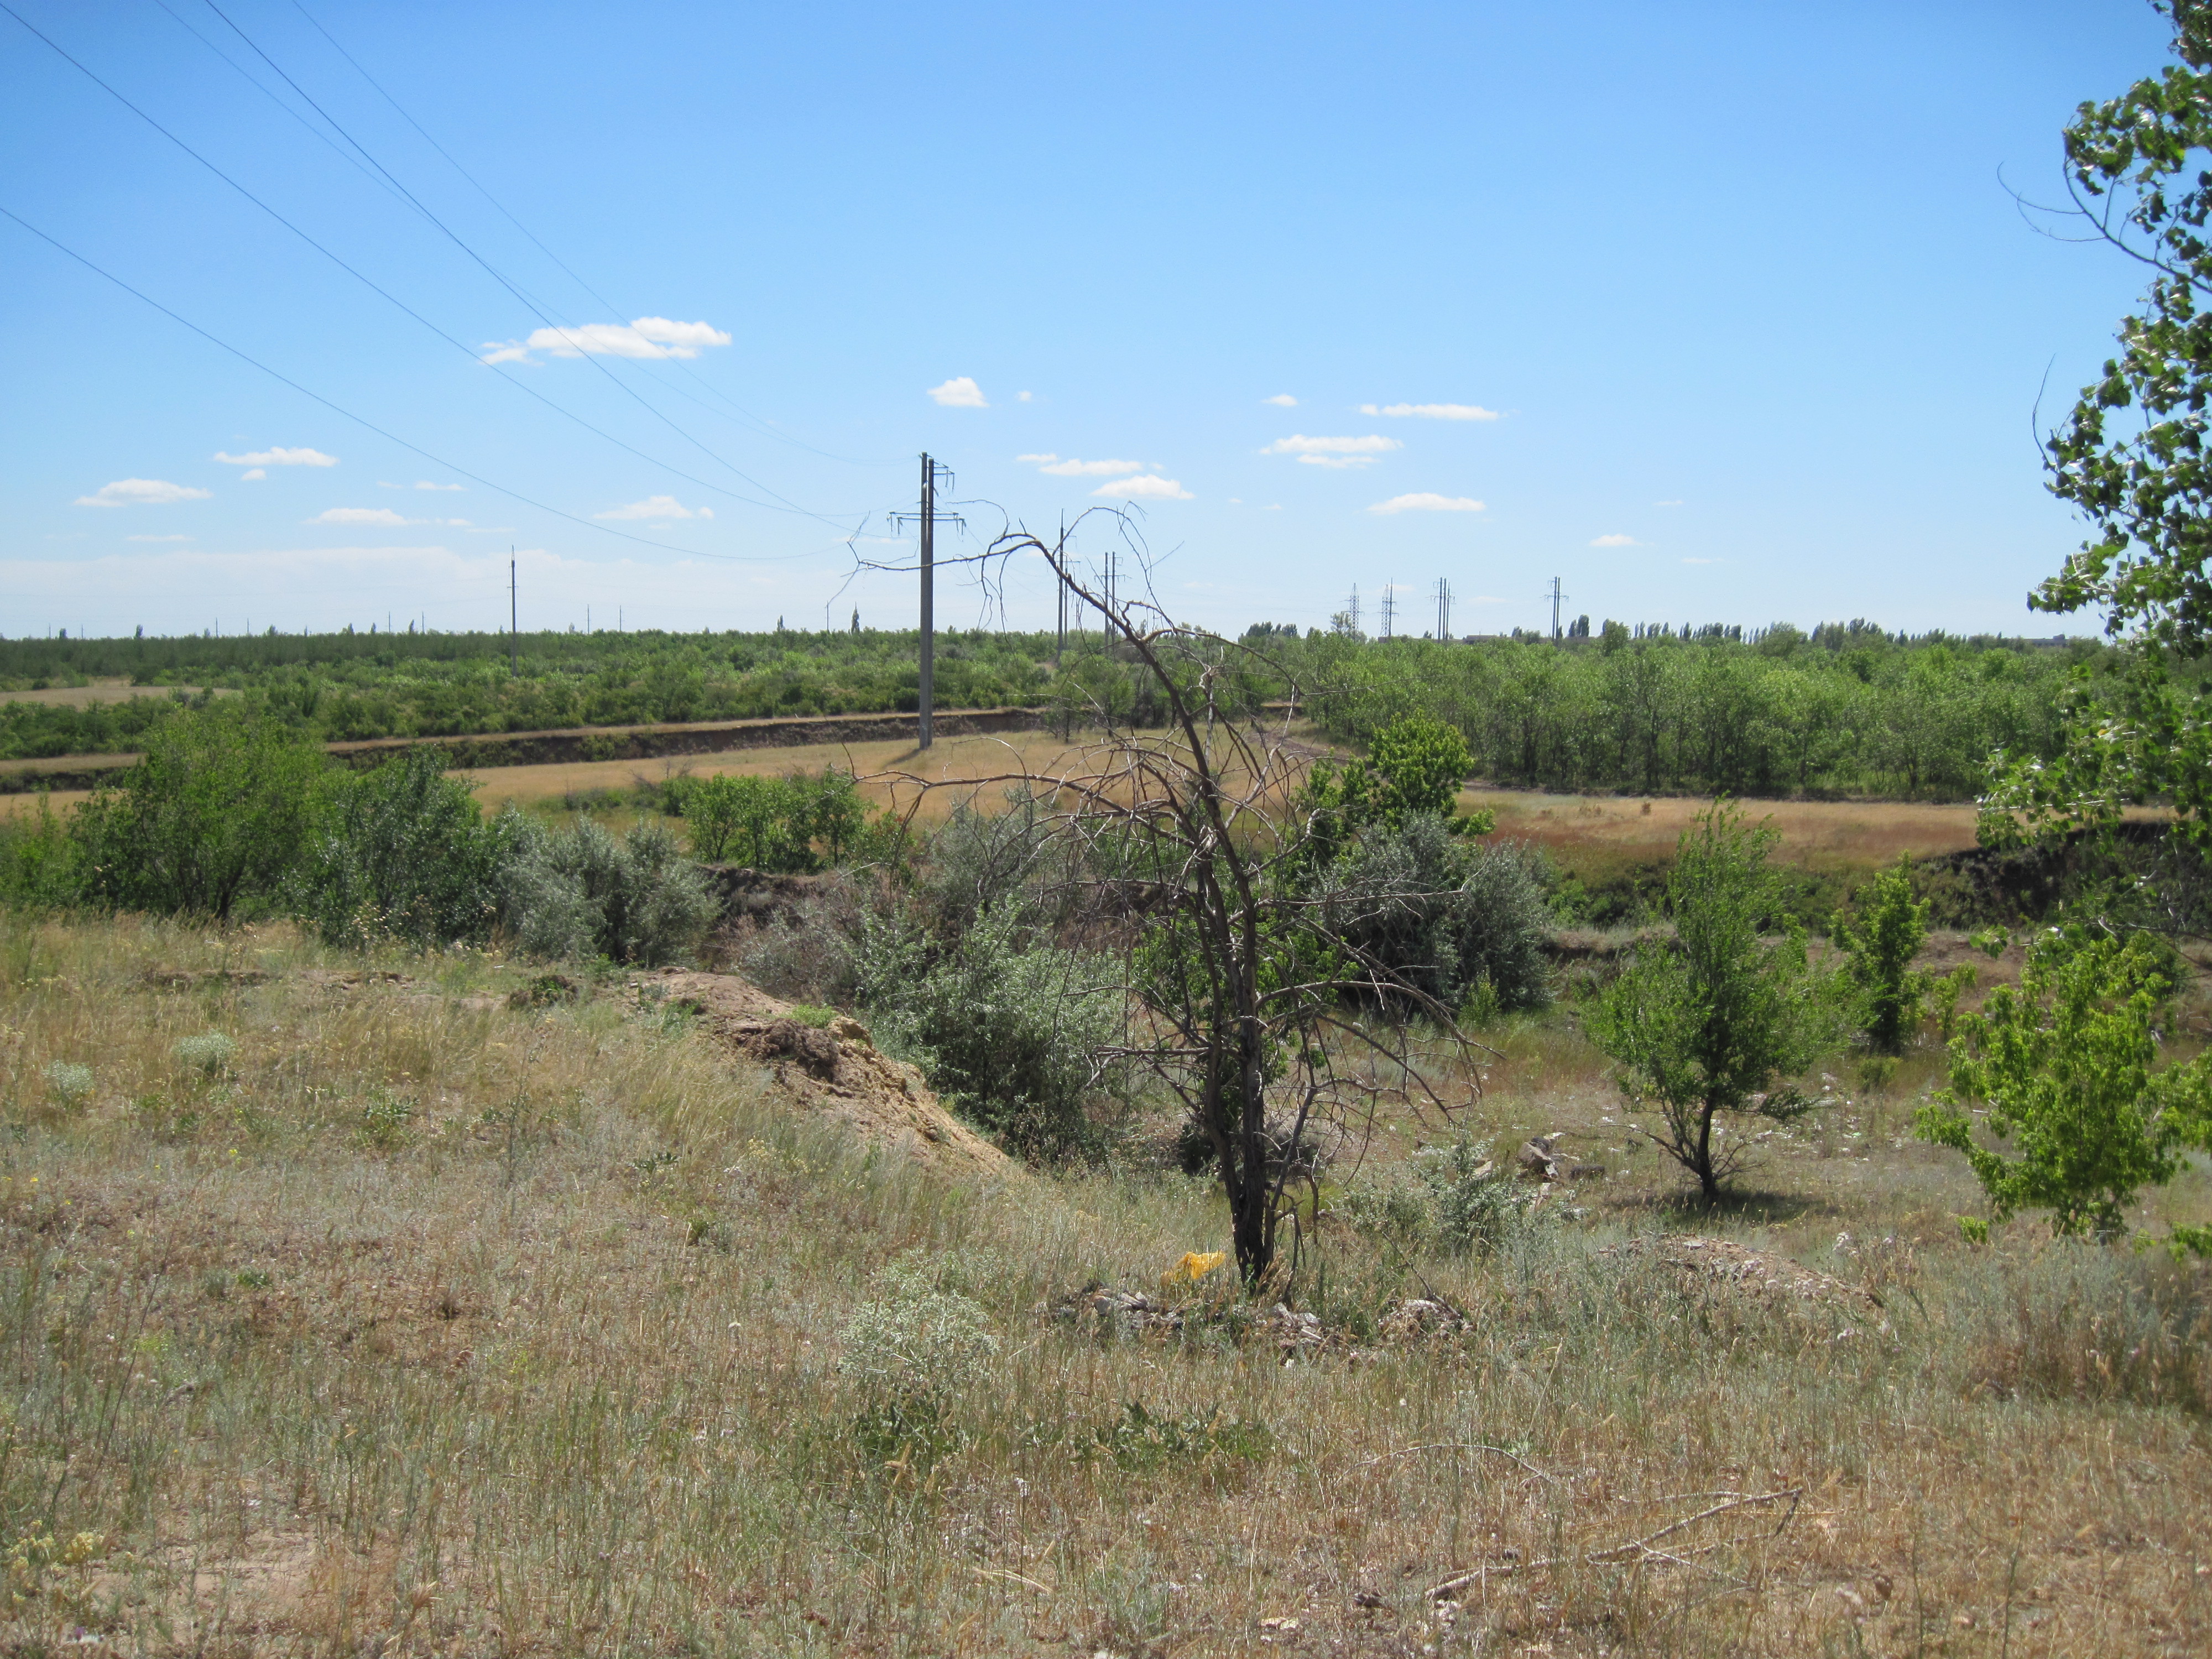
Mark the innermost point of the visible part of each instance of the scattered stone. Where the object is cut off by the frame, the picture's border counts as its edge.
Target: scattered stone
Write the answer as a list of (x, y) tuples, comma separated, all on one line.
[(1759, 1275), (1416, 1317)]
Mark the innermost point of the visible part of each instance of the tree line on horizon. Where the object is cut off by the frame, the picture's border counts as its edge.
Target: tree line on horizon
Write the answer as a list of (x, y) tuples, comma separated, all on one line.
[(1850, 708)]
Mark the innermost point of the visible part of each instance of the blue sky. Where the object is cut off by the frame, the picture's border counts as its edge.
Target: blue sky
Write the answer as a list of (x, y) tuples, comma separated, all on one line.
[(1719, 313)]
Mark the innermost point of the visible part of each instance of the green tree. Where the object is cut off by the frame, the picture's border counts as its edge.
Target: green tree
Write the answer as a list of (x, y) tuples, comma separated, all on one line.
[(1414, 767), (2132, 458), (1883, 934), (711, 807), (1715, 1021), (215, 815), (2066, 1066)]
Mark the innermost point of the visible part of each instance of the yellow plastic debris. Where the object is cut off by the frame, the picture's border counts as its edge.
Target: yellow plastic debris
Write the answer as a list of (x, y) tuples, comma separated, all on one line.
[(1194, 1267)]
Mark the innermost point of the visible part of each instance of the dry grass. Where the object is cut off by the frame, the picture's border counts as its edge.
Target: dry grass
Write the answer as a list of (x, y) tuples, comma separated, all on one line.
[(434, 1325), (104, 690)]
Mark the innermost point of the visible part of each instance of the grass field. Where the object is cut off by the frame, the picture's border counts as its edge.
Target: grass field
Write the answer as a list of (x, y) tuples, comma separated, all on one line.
[(413, 1321)]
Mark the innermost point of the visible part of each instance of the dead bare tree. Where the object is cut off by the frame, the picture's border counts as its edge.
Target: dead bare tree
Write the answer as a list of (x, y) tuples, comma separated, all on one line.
[(1249, 1000)]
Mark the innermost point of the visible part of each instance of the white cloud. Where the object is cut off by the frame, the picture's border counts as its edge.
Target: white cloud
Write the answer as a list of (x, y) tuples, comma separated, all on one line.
[(253, 474), (1150, 487), (1281, 400), (1666, 503), (960, 393), (278, 457), (423, 483), (1427, 501), (1338, 461), (1021, 397), (1614, 539), (161, 539), (647, 337), (144, 492), (1298, 444), (1432, 411), (1039, 460), (358, 515), (1073, 468), (656, 507)]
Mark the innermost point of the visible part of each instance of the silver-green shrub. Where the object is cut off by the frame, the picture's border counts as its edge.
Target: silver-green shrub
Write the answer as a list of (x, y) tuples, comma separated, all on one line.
[(580, 893), (1014, 1033), (211, 1052), (69, 1082)]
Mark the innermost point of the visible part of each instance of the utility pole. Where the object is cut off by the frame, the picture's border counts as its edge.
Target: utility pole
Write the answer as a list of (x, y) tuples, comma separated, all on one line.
[(1354, 609), (1389, 607), (513, 621), (1443, 608), (1059, 591), (926, 517), (1556, 597)]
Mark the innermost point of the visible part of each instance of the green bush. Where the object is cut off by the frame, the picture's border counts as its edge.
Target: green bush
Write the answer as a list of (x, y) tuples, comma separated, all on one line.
[(215, 817), (580, 893), (402, 851), (1883, 937), (800, 823), (39, 866), (2066, 1065), (1011, 1032)]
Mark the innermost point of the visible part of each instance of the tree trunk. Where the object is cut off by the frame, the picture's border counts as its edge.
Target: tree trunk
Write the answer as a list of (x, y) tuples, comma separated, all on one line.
[(1708, 1184)]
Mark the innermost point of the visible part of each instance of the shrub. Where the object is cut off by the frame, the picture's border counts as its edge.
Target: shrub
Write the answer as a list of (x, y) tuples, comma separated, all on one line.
[(68, 1081), (1445, 917), (580, 893), (799, 822), (40, 868), (912, 1349), (216, 815), (980, 860), (210, 1053), (808, 953), (1458, 1202), (402, 851), (1883, 939), (1011, 1032), (2065, 1063)]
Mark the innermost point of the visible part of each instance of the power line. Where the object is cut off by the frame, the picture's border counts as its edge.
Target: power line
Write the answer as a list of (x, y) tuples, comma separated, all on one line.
[(389, 436), (394, 299), (492, 271), (767, 428)]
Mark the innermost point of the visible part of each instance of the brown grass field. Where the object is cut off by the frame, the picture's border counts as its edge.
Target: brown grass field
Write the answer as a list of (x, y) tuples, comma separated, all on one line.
[(422, 1323)]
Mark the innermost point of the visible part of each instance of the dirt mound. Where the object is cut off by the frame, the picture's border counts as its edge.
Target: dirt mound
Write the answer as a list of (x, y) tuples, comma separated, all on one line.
[(834, 1070)]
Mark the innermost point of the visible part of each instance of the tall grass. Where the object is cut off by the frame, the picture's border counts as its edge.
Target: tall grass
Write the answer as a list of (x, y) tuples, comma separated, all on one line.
[(426, 1323)]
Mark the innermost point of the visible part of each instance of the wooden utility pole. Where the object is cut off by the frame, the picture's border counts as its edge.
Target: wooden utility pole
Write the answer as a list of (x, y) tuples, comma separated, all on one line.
[(513, 621)]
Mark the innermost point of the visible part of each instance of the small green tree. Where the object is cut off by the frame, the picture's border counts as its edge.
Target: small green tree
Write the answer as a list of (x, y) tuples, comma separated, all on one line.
[(710, 811), (1413, 767), (1716, 1020), (215, 814), (1882, 938), (2065, 1066)]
